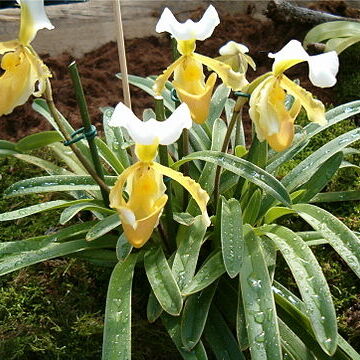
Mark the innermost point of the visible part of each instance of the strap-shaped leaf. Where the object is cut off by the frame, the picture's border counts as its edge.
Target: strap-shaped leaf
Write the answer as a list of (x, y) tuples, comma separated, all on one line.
[(108, 156), (38, 140), (117, 327), (72, 210), (217, 103), (103, 226), (292, 312), (194, 316), (258, 301), (232, 239), (49, 251), (338, 235), (199, 139), (252, 208), (245, 169), (34, 209), (153, 309), (162, 281), (114, 138), (189, 240), (311, 283), (55, 183), (172, 325), (351, 195), (320, 178), (123, 248), (212, 269), (220, 338)]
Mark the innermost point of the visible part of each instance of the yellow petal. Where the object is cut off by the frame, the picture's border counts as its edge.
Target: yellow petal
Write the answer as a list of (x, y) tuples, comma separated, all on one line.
[(199, 195), (25, 74), (140, 214), (198, 103), (234, 80), (314, 108), (163, 78)]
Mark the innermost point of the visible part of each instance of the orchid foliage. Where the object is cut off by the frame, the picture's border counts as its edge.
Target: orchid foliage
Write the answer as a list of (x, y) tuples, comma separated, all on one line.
[(196, 206)]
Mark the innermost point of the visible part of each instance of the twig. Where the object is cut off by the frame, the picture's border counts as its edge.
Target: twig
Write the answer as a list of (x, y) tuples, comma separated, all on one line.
[(284, 11), (122, 54)]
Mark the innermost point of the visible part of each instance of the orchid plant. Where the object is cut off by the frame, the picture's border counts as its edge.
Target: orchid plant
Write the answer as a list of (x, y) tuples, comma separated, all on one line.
[(210, 259)]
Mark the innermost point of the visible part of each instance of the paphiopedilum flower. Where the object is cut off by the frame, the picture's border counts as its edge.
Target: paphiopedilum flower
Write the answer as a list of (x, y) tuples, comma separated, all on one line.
[(273, 120), (143, 181), (24, 72), (234, 54), (189, 78)]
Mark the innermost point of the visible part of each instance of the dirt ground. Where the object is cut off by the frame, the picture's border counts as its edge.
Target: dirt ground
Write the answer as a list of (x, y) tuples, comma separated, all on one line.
[(151, 55)]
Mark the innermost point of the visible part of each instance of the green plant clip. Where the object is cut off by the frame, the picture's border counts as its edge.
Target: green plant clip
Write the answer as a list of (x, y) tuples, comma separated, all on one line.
[(84, 135), (173, 95), (242, 94)]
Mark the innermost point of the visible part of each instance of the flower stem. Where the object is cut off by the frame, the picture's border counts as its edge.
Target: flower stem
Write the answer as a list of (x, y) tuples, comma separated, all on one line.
[(236, 113), (54, 112), (164, 160), (80, 97)]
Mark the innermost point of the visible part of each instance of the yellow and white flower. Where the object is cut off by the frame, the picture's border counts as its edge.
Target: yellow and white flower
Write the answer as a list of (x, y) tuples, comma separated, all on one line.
[(24, 72), (189, 79), (273, 121), (143, 181), (234, 54)]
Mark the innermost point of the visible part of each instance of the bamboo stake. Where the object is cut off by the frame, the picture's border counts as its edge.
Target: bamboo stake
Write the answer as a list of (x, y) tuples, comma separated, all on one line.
[(122, 53)]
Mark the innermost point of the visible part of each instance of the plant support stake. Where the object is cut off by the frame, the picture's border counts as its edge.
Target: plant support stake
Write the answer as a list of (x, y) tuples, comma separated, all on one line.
[(88, 130), (122, 54)]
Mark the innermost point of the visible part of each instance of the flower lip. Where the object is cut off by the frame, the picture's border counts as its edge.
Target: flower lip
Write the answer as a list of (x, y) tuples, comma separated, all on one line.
[(322, 68), (145, 133), (189, 30)]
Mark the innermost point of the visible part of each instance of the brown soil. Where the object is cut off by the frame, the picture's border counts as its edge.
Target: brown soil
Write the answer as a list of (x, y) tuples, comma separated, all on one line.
[(151, 55)]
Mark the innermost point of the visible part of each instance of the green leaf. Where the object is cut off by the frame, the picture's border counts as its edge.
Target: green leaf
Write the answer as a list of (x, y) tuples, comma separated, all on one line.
[(207, 177), (7, 145), (198, 137), (117, 327), (217, 103), (252, 209), (352, 195), (153, 309), (89, 205), (339, 236), (189, 240), (108, 156), (220, 338), (245, 169), (103, 226), (38, 140), (311, 283), (48, 166), (162, 281), (292, 311), (172, 325), (123, 248), (54, 183), (276, 212), (258, 301), (115, 139), (146, 84), (100, 257), (232, 239), (194, 316), (320, 178), (34, 209), (212, 269), (49, 251), (241, 328)]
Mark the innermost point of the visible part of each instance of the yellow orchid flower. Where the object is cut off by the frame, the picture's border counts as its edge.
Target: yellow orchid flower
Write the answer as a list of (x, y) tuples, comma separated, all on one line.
[(143, 181), (24, 72), (273, 121), (234, 54), (189, 78)]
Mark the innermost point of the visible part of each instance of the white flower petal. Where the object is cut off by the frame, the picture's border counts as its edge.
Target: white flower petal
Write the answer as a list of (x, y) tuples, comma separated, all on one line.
[(33, 19), (293, 50), (145, 133), (189, 30), (323, 69), (233, 48), (128, 217)]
